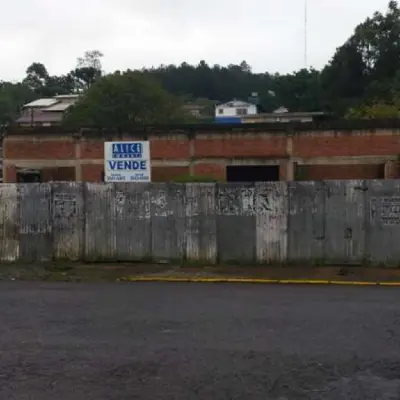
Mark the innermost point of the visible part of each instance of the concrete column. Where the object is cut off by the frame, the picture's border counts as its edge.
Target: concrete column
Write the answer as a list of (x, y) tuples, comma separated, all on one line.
[(78, 165), (290, 164), (290, 170), (392, 170), (191, 155)]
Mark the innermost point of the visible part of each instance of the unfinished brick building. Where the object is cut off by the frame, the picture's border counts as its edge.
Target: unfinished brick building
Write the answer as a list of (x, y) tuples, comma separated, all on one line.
[(256, 152)]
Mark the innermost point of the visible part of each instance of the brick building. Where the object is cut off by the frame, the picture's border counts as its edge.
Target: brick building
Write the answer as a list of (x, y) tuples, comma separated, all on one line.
[(340, 150)]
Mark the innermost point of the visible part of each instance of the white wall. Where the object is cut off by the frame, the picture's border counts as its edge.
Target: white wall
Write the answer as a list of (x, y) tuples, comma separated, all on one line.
[(230, 109)]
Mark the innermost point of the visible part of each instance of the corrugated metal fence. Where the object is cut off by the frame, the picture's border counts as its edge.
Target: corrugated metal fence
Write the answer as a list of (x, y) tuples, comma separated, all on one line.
[(335, 222)]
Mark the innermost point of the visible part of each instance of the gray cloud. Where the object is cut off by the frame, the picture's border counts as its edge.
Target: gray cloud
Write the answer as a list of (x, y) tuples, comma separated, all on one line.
[(266, 33)]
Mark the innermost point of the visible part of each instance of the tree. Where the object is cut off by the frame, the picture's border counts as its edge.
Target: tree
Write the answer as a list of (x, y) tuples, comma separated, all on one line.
[(375, 111), (367, 64), (125, 100), (36, 77), (88, 69), (91, 59), (12, 98)]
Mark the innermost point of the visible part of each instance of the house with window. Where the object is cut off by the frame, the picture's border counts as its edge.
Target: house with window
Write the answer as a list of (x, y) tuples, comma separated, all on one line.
[(233, 111)]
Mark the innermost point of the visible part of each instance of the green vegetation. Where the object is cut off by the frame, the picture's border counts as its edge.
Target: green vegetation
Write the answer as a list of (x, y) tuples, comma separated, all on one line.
[(362, 80), (122, 100)]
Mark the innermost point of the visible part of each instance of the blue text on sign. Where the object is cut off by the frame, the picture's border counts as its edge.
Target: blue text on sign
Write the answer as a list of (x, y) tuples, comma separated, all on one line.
[(127, 150), (127, 165)]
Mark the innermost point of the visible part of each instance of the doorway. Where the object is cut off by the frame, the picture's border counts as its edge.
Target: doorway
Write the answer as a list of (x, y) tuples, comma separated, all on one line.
[(28, 176), (252, 173)]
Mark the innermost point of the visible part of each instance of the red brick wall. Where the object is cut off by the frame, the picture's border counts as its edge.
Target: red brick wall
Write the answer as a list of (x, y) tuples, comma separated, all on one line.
[(345, 145), (162, 174), (241, 147), (9, 174), (217, 171), (92, 149), (92, 172), (207, 146), (26, 149), (169, 149), (327, 172), (58, 174)]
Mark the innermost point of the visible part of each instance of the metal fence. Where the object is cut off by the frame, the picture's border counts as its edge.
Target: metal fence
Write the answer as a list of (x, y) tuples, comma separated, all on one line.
[(333, 222)]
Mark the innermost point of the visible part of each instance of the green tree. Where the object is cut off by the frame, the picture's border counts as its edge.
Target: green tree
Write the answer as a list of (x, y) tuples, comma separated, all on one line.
[(125, 100), (375, 111), (36, 77), (365, 67), (12, 98), (88, 70)]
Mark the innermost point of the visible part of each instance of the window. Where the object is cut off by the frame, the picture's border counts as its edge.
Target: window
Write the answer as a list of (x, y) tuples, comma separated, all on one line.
[(220, 111), (241, 111)]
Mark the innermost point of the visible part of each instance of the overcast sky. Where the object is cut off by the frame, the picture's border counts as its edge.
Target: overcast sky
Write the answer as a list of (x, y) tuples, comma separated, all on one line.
[(268, 34)]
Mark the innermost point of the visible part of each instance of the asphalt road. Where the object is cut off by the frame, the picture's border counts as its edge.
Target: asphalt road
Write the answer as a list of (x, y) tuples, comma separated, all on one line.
[(198, 341)]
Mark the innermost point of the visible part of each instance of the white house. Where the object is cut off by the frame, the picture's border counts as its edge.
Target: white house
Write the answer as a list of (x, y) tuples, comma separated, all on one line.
[(235, 108)]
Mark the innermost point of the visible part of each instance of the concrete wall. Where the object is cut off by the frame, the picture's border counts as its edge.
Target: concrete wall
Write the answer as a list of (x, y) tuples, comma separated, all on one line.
[(333, 222), (317, 154)]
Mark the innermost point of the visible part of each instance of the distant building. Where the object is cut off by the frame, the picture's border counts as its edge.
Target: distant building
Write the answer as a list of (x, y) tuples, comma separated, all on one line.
[(202, 109), (283, 115), (195, 110), (240, 112), (46, 111), (233, 111)]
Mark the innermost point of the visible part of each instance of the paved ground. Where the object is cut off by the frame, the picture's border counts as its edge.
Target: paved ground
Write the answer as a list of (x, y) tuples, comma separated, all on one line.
[(198, 341)]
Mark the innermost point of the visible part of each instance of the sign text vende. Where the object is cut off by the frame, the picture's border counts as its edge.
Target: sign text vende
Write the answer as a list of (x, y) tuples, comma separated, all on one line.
[(127, 165), (127, 161)]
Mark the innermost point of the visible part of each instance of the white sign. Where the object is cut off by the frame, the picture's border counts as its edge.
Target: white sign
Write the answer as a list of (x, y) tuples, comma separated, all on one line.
[(127, 162)]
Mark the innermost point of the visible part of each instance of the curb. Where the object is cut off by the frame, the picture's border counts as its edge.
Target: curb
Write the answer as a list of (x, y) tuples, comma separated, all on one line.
[(256, 281)]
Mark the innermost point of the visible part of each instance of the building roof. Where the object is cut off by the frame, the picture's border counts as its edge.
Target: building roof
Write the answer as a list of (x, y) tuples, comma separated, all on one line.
[(67, 96), (288, 114), (41, 103), (58, 107), (235, 103)]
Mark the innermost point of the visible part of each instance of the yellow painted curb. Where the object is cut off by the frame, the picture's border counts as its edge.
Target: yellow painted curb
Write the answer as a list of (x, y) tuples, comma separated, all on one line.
[(354, 283), (255, 281), (389, 283)]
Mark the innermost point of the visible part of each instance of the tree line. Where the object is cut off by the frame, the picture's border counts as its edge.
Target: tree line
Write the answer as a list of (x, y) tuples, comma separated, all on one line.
[(362, 80)]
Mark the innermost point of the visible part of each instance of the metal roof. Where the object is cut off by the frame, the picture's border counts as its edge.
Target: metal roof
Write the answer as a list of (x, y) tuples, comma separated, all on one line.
[(41, 103), (67, 96), (58, 107)]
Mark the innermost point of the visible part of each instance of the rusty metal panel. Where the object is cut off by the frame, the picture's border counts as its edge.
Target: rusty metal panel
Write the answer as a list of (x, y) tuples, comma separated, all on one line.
[(100, 227), (271, 209), (68, 220), (35, 233), (9, 223), (168, 221), (306, 222), (383, 222), (133, 221), (345, 222), (201, 223), (236, 222)]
